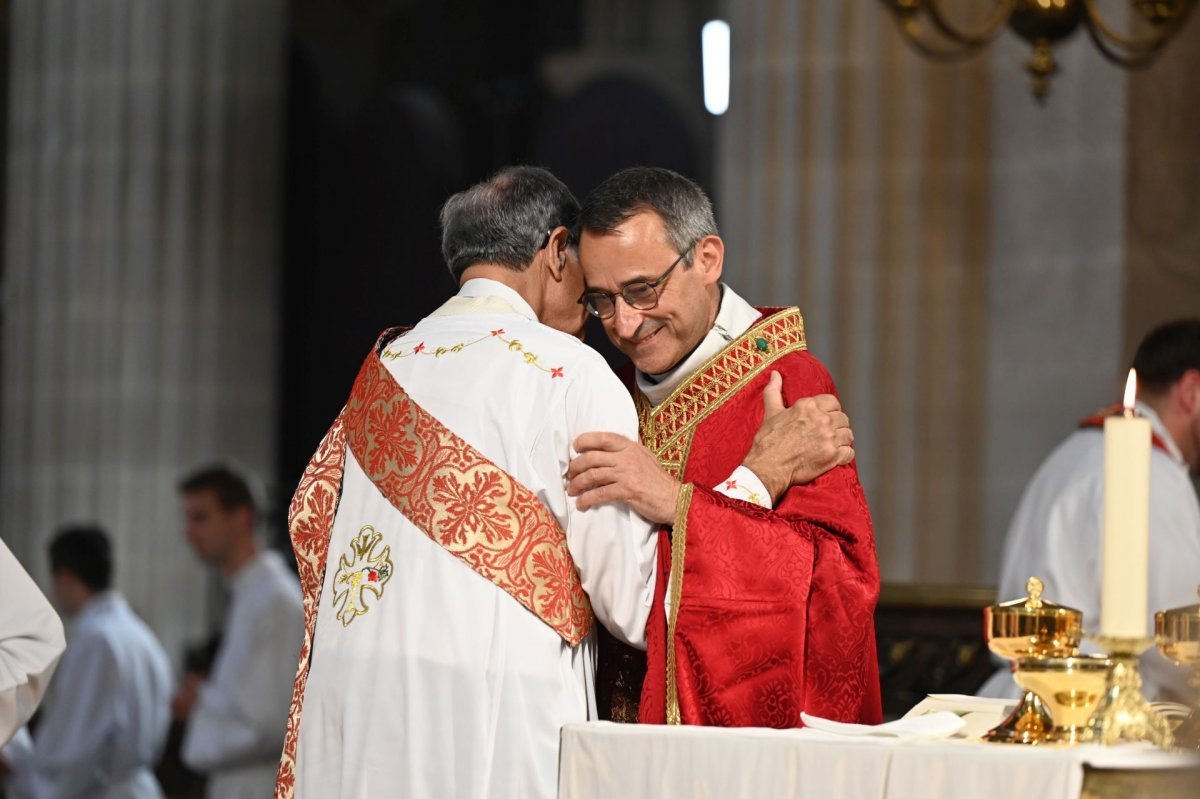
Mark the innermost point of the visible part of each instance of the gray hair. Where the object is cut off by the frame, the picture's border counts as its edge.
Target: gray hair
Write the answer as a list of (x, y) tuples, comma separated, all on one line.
[(685, 209), (504, 220)]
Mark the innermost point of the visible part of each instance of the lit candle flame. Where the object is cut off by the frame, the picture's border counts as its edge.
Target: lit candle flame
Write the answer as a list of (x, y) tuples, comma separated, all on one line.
[(1130, 392)]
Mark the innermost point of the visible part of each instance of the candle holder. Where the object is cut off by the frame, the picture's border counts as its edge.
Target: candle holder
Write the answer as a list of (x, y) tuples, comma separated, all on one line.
[(1123, 713)]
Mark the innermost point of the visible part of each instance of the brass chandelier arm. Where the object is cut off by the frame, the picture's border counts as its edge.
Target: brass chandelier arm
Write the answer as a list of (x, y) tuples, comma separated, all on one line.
[(989, 31), (957, 52), (1129, 60), (1137, 46)]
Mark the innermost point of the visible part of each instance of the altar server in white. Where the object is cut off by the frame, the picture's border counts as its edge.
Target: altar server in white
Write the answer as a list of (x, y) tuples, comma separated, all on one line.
[(1057, 530), (31, 642), (236, 718), (105, 722)]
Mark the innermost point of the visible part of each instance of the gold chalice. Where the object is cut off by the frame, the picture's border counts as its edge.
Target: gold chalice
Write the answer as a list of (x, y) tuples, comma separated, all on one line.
[(1024, 629), (1177, 632), (1070, 686)]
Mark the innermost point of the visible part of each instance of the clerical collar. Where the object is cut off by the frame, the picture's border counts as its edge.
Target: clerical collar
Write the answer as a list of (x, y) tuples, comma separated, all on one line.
[(481, 296), (734, 317)]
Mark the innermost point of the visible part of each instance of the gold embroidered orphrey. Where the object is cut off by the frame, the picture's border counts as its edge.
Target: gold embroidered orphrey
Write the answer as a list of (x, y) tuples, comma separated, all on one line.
[(367, 570), (668, 428)]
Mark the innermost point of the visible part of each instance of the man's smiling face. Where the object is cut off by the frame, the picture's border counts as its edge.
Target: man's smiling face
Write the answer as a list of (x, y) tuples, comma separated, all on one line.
[(638, 250)]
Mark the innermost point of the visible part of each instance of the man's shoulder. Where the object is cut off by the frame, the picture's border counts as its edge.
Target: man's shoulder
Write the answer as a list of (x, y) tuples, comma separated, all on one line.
[(1075, 464), (581, 360)]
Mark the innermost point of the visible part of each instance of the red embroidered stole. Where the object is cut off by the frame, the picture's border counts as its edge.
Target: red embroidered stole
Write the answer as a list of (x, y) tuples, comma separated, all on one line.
[(470, 506)]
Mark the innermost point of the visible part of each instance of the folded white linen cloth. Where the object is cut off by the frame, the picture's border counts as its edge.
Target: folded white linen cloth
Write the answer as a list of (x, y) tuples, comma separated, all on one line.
[(930, 726)]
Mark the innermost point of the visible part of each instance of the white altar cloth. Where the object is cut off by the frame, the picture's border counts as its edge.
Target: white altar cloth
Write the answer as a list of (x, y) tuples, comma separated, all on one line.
[(602, 760)]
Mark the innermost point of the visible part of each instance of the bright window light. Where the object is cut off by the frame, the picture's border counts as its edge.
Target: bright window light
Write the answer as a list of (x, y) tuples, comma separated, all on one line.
[(714, 45)]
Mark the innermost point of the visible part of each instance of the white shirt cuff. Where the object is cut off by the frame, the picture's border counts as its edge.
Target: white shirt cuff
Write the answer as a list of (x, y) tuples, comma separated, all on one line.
[(744, 484)]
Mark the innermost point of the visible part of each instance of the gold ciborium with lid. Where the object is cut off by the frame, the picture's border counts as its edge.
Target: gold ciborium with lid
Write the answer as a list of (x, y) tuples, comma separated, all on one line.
[(1030, 628), (1177, 632)]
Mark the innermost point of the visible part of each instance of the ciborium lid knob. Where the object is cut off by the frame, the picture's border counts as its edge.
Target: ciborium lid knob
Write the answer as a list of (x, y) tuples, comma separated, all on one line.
[(1033, 587)]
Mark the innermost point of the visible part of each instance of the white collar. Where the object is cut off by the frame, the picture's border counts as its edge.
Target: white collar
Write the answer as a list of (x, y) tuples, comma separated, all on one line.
[(734, 317), (481, 295), (1161, 431)]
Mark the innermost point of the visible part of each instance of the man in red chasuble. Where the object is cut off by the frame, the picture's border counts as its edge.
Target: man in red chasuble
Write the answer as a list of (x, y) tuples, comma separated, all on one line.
[(768, 577)]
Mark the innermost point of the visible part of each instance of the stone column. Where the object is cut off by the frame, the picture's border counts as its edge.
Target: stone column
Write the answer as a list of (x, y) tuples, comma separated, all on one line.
[(140, 275), (1057, 264)]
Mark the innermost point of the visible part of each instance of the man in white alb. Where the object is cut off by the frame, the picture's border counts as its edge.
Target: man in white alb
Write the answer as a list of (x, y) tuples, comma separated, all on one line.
[(1056, 532), (105, 722), (236, 718), (31, 642)]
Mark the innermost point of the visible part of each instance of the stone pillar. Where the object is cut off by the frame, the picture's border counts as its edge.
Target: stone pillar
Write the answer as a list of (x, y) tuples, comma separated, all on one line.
[(1056, 265), (1163, 190), (140, 284)]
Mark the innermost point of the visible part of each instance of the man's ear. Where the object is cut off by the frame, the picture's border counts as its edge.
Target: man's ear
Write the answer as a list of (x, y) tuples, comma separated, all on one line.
[(556, 252), (1189, 391), (709, 258)]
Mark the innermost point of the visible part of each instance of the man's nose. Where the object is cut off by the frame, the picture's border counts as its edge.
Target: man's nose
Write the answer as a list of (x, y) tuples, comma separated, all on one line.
[(626, 320)]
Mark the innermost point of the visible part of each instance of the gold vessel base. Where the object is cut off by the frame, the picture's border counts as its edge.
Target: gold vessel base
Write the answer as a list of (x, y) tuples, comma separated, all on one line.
[(1029, 723), (1123, 713)]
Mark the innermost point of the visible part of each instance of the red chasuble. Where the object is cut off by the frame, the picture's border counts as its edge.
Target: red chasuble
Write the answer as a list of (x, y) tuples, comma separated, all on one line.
[(771, 612)]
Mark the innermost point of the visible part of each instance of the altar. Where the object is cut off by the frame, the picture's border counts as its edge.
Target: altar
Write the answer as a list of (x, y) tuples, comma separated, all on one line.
[(602, 760)]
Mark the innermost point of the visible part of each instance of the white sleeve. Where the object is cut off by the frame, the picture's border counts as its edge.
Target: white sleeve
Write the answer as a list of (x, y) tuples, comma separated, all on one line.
[(31, 642), (744, 484), (613, 547), (69, 755), (241, 713)]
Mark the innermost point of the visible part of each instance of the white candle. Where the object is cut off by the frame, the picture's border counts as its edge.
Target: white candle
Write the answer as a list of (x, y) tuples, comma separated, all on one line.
[(1126, 521)]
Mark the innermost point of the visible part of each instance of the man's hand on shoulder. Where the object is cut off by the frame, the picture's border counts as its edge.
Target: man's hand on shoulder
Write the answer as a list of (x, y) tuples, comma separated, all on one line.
[(611, 468), (797, 445)]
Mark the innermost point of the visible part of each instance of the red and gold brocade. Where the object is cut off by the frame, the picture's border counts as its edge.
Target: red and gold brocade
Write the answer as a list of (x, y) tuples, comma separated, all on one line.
[(449, 490), (774, 611)]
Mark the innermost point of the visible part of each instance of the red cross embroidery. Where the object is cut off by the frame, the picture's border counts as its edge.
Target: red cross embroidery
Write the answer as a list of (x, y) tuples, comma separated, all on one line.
[(499, 332), (730, 485), (556, 371), (418, 348)]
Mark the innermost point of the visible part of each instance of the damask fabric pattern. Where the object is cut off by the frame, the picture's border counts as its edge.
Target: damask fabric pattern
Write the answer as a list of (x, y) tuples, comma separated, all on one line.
[(466, 503), (775, 611), (310, 521)]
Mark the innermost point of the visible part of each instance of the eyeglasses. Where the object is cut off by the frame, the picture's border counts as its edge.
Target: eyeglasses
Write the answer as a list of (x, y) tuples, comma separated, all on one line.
[(641, 295)]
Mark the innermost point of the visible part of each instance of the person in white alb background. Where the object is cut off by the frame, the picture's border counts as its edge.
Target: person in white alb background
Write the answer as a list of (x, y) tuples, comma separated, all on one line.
[(105, 722), (1057, 530), (236, 718)]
